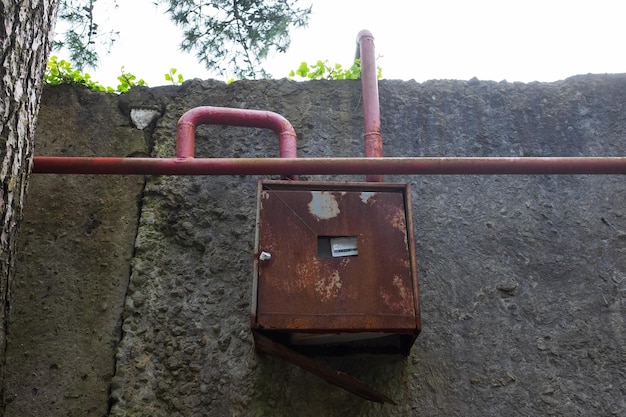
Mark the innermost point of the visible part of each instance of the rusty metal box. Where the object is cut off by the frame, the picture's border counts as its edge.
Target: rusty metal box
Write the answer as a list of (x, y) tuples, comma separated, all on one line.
[(335, 268)]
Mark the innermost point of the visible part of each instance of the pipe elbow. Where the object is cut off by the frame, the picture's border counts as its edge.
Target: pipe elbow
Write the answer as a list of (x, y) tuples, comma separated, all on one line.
[(186, 127), (364, 34)]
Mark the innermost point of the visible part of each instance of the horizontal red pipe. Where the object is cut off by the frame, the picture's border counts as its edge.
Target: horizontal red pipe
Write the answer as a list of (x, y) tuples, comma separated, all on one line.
[(186, 128), (331, 166)]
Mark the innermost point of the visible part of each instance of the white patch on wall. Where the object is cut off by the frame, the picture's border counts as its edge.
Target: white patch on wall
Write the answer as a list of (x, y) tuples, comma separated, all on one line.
[(142, 117)]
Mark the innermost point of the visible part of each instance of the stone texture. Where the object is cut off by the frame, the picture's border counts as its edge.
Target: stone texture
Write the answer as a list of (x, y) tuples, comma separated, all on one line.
[(75, 248), (522, 277)]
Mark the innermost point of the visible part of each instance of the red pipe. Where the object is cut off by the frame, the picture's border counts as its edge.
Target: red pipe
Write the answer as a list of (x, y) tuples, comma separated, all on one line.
[(186, 128), (289, 165), (331, 166), (371, 107)]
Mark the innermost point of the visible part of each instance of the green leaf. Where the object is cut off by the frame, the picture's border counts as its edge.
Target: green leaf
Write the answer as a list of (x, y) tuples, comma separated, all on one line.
[(323, 70)]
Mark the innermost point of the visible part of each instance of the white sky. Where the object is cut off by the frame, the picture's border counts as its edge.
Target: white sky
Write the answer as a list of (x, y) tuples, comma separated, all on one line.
[(530, 40)]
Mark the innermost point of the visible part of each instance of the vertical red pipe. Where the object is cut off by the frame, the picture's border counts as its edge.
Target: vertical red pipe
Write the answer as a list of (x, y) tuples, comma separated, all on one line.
[(371, 106)]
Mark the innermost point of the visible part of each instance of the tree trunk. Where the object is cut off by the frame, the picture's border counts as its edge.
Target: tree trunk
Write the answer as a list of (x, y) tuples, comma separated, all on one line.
[(26, 28)]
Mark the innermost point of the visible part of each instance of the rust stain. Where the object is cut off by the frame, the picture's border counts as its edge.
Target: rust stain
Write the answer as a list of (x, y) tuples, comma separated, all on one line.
[(323, 205), (345, 262), (328, 288), (398, 220), (397, 282), (263, 195), (306, 272), (401, 298)]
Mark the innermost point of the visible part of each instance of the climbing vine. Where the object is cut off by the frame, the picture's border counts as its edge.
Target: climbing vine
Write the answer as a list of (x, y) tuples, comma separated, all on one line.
[(60, 71), (322, 70)]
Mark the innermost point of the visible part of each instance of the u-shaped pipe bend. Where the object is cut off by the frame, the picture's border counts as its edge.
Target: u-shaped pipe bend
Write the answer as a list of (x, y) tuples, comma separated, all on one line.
[(186, 128)]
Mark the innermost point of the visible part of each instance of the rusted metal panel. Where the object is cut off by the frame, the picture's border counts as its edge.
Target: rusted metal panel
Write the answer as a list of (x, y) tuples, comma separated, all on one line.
[(304, 289), (335, 272)]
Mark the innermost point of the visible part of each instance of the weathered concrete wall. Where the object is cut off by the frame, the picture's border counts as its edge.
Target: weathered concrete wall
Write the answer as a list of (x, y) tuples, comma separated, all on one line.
[(75, 248), (522, 278)]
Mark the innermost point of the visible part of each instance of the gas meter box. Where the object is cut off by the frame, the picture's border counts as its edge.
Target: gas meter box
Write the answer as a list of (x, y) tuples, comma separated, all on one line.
[(335, 269)]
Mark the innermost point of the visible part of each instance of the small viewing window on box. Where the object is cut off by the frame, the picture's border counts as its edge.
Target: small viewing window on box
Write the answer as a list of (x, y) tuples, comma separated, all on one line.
[(336, 246)]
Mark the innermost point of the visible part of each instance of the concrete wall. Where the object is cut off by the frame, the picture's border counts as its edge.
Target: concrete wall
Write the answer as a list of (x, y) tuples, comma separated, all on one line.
[(523, 278), (75, 248)]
